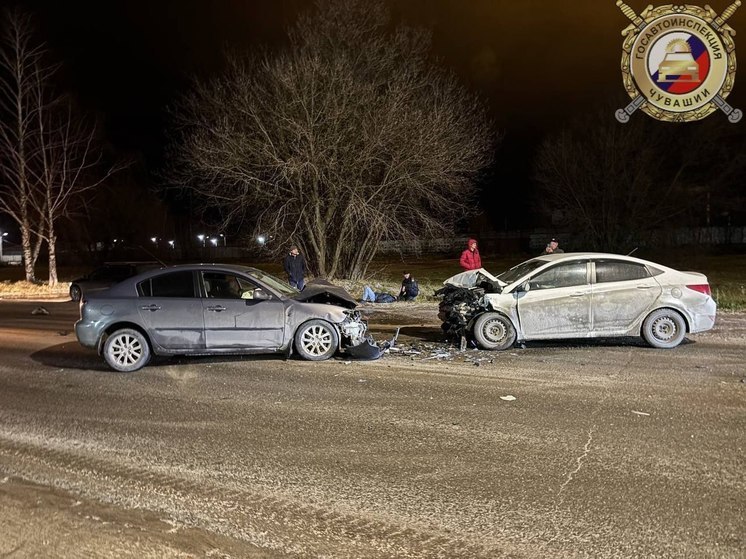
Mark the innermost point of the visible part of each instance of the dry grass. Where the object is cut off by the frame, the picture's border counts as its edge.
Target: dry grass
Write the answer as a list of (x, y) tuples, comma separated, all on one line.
[(26, 290)]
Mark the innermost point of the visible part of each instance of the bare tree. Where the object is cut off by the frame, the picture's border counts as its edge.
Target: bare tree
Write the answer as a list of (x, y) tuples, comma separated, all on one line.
[(347, 137), (69, 165), (609, 184), (51, 153), (614, 186), (21, 69)]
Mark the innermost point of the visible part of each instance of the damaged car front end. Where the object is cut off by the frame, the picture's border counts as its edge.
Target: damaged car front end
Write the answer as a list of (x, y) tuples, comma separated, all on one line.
[(462, 300)]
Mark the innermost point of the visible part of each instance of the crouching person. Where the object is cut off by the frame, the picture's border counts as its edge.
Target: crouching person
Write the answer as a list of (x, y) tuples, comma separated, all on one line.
[(409, 288)]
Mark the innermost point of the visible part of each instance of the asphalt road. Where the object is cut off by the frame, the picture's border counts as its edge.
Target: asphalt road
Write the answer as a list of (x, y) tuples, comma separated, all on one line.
[(609, 449)]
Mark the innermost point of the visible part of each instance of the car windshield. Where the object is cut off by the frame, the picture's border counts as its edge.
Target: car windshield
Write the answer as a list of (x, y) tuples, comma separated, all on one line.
[(275, 283), (517, 272)]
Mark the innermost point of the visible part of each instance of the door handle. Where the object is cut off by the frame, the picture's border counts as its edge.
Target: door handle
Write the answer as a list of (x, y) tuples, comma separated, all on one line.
[(216, 308), (644, 286), (151, 308)]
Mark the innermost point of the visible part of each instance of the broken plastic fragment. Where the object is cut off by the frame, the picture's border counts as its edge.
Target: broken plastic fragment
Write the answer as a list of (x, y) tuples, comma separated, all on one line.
[(508, 398), (640, 412)]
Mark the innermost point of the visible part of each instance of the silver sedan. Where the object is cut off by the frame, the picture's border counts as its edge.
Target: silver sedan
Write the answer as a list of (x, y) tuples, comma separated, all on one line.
[(214, 309), (578, 295)]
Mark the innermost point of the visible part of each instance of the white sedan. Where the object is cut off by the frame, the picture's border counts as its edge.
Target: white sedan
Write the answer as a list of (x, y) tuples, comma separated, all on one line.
[(577, 295)]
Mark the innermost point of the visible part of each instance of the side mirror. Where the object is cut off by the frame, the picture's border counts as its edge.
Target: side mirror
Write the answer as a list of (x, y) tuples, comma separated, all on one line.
[(261, 295), (525, 287)]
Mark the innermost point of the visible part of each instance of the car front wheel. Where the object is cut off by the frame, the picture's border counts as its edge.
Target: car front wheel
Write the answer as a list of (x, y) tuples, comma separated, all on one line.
[(664, 328), (75, 293), (494, 331), (126, 350), (316, 340)]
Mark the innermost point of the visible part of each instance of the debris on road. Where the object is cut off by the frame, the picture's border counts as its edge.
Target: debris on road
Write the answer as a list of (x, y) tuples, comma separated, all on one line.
[(508, 398), (640, 412)]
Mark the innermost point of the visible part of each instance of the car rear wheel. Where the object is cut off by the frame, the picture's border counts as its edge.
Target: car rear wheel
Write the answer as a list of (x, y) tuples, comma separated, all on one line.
[(316, 340), (494, 331), (126, 350), (664, 328), (75, 292)]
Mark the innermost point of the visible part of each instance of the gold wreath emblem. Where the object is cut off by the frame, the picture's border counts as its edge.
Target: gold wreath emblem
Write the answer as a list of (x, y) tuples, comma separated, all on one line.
[(656, 57)]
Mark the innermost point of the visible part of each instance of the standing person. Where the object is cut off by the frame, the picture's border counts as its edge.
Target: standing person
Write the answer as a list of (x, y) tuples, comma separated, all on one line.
[(554, 243), (470, 259), (295, 268), (409, 288)]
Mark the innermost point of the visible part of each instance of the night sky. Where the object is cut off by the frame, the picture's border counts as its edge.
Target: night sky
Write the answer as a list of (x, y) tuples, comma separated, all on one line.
[(537, 63)]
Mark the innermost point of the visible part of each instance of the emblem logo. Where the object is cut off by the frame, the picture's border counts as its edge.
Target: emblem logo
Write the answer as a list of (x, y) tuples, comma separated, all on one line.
[(678, 62)]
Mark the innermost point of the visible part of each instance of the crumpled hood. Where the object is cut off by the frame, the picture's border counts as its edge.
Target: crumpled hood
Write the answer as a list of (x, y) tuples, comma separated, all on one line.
[(472, 278), (322, 291)]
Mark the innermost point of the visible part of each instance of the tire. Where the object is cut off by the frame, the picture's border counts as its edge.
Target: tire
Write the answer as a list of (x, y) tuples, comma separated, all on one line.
[(316, 340), (75, 292), (494, 331), (126, 350), (664, 328)]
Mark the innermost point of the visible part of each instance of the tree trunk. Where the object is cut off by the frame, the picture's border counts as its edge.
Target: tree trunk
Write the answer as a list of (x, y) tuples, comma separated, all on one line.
[(52, 249), (28, 259)]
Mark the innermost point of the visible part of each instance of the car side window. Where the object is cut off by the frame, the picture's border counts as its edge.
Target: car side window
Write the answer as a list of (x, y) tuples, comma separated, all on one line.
[(174, 284), (219, 285), (610, 270), (568, 274)]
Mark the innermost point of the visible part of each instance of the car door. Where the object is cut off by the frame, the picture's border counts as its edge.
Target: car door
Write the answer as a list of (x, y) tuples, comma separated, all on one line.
[(623, 293), (234, 319), (557, 303), (171, 311)]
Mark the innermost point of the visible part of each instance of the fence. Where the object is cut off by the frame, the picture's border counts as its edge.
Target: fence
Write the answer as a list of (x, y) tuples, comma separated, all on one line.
[(511, 242)]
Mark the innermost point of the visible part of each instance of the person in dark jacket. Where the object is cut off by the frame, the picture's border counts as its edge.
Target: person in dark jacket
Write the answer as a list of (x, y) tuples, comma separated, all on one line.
[(470, 259), (295, 267), (409, 288)]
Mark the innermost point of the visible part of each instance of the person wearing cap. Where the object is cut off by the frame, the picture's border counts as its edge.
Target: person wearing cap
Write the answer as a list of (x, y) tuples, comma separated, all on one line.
[(554, 243), (295, 267), (470, 259)]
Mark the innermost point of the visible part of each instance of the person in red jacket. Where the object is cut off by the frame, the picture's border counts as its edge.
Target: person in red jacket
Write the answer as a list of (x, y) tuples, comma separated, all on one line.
[(470, 259)]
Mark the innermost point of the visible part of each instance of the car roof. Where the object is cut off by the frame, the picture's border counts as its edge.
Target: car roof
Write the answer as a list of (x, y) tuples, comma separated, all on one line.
[(570, 256), (125, 287), (592, 255)]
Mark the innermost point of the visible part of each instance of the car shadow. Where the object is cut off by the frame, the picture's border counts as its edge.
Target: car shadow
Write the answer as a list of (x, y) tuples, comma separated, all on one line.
[(433, 334), (630, 341), (71, 355)]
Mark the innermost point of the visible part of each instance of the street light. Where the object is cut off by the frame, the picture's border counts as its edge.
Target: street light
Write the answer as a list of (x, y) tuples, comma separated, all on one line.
[(202, 239), (214, 241), (171, 244), (225, 242), (154, 239), (261, 239)]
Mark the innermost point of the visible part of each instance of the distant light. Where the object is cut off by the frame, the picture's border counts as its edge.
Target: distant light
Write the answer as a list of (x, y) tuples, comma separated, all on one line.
[(261, 239), (154, 239), (171, 243), (201, 237), (214, 241)]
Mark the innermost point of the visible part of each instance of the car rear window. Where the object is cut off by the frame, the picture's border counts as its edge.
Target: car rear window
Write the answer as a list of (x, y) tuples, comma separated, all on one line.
[(174, 284), (610, 270)]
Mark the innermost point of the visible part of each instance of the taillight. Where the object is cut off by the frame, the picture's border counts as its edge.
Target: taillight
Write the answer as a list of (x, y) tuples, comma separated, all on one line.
[(702, 288)]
